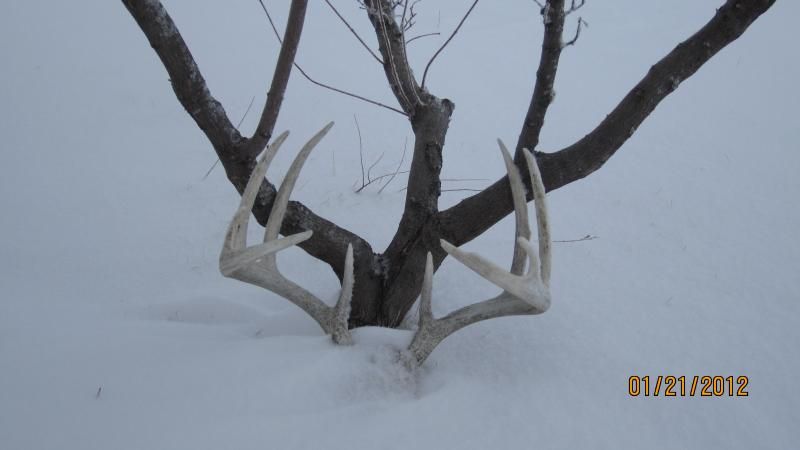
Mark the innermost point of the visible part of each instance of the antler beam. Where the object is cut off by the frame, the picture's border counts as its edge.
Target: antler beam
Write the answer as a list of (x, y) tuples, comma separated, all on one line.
[(257, 265), (523, 293)]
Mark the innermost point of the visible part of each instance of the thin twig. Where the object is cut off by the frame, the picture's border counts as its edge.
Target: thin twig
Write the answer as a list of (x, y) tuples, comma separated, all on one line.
[(245, 112), (577, 33), (371, 180), (456, 180), (368, 180), (349, 94), (451, 190), (237, 127), (463, 19), (588, 237), (402, 158), (353, 31), (435, 33), (369, 170), (320, 84), (366, 176), (389, 174), (574, 6), (360, 150), (375, 180), (403, 17)]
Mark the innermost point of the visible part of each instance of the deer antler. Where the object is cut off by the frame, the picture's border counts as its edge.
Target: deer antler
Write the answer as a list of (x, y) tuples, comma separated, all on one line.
[(257, 264), (523, 294)]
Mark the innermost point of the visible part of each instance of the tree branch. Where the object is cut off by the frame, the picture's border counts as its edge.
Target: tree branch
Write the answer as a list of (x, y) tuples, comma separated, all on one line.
[(543, 93), (395, 64), (387, 285), (474, 215), (329, 242), (410, 245), (280, 78), (430, 117), (184, 75)]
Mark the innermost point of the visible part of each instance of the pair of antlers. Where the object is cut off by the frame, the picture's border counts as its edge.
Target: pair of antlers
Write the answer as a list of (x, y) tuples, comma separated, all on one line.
[(524, 292)]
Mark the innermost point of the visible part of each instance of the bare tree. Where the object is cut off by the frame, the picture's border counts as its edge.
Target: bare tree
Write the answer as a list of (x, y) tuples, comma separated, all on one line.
[(386, 284)]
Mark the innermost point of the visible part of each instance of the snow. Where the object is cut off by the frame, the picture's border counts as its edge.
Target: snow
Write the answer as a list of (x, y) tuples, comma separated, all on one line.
[(118, 332)]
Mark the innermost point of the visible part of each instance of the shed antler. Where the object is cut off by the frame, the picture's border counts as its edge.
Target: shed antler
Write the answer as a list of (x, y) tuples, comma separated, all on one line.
[(523, 293), (257, 264)]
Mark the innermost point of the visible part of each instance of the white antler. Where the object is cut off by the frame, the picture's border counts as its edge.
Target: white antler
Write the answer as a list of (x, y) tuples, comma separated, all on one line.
[(523, 293), (257, 265)]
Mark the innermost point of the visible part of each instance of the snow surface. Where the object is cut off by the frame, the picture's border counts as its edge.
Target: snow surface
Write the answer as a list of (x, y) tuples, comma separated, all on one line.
[(117, 331)]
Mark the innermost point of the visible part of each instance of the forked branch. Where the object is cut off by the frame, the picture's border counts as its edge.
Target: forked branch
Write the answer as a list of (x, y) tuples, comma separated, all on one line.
[(474, 215), (412, 246), (329, 242), (389, 283), (574, 6), (392, 46), (319, 83), (524, 293)]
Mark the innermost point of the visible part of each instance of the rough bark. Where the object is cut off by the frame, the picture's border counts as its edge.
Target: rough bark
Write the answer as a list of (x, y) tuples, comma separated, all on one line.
[(238, 154), (429, 117), (543, 93), (387, 285), (474, 215), (410, 248), (418, 231)]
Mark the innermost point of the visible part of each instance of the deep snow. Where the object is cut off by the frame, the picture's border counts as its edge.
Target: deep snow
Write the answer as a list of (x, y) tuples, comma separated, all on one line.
[(117, 331)]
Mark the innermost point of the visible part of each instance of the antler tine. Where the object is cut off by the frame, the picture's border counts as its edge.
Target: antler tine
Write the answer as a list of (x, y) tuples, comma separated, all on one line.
[(542, 222), (282, 198), (430, 331), (341, 312), (523, 227), (236, 237), (230, 262)]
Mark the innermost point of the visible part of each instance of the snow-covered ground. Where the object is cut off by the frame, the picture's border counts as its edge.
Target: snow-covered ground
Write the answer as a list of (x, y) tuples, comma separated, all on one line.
[(117, 331)]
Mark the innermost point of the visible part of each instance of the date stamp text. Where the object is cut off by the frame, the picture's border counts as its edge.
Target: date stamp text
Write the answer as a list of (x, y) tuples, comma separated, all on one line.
[(683, 386)]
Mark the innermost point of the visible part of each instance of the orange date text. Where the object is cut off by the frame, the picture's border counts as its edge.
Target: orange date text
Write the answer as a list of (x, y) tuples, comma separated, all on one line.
[(683, 386)]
